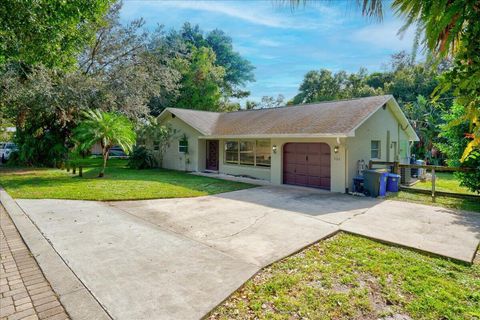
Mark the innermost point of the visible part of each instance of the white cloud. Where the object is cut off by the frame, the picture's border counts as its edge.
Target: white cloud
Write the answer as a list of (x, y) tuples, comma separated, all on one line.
[(259, 13), (268, 57), (385, 36), (269, 43)]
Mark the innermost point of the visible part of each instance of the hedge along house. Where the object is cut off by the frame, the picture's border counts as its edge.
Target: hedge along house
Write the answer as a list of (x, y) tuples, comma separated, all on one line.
[(314, 145)]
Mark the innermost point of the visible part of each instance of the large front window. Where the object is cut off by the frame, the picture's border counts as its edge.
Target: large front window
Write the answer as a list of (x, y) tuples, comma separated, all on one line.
[(231, 152), (247, 156), (262, 153), (248, 152)]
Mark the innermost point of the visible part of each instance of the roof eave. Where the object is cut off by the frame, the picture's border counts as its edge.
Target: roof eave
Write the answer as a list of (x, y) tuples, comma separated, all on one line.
[(279, 136)]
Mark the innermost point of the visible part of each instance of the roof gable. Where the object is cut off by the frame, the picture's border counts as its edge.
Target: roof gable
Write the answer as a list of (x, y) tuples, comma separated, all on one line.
[(202, 121)]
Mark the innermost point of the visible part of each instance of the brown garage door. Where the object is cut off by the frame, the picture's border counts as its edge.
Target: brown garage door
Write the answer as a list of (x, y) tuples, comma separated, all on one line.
[(307, 164)]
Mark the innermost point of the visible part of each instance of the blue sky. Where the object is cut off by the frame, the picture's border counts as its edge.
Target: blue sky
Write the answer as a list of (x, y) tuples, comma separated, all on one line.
[(284, 44)]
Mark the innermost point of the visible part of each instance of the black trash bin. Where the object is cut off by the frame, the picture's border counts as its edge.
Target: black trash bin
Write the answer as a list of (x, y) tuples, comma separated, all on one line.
[(358, 184)]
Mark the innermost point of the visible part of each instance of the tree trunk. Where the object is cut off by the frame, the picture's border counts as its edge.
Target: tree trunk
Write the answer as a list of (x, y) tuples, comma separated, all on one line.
[(105, 158)]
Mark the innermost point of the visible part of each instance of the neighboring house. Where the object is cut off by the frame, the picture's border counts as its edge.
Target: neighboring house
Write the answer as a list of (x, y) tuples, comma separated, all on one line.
[(115, 151), (315, 145), (96, 149)]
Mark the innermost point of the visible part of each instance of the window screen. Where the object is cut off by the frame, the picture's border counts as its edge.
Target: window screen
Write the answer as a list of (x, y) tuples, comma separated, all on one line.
[(183, 146), (375, 149), (231, 152)]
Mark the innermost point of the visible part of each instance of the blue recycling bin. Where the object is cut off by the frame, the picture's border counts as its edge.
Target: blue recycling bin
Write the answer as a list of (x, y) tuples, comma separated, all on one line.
[(382, 191), (393, 181)]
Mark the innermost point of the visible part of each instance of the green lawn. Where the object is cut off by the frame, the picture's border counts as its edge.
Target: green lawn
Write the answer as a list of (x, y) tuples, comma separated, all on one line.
[(350, 277), (447, 202), (119, 183), (445, 181)]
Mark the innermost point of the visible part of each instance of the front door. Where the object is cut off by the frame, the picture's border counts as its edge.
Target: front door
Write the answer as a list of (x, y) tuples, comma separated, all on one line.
[(212, 155)]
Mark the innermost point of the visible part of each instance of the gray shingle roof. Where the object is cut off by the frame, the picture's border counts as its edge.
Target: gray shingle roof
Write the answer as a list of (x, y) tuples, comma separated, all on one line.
[(336, 118), (204, 121)]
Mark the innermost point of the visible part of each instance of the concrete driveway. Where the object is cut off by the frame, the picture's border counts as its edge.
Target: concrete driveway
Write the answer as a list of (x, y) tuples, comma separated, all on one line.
[(179, 258)]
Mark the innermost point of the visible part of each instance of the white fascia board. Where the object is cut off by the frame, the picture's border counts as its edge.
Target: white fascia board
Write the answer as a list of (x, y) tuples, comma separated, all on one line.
[(272, 136), (400, 117)]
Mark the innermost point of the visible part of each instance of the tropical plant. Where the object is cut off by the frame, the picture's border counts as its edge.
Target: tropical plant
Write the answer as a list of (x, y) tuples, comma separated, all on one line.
[(107, 128), (425, 118), (454, 135), (160, 136), (142, 158)]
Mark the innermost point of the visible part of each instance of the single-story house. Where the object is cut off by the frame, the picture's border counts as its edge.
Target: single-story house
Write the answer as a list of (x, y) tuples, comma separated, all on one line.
[(315, 145)]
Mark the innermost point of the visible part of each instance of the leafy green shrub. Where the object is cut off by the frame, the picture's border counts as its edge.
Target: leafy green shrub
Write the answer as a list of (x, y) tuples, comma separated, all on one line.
[(142, 158), (14, 160), (40, 148), (471, 180), (454, 132)]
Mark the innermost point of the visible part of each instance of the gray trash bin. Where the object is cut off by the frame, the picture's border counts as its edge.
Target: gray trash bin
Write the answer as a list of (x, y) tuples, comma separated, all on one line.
[(375, 182)]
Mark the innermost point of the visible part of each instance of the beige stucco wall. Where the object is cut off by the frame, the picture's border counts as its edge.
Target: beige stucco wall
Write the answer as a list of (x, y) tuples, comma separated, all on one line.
[(180, 161), (375, 128)]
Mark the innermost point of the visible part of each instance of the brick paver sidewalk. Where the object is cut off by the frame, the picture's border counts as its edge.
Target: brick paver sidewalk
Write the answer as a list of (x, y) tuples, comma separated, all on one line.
[(24, 291)]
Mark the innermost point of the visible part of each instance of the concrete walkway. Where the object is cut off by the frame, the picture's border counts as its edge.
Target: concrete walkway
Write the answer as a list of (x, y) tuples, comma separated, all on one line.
[(437, 230), (179, 258), (141, 266)]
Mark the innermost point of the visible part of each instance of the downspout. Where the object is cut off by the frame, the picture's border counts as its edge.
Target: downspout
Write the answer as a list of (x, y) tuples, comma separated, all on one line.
[(398, 143), (346, 169), (409, 144), (345, 162)]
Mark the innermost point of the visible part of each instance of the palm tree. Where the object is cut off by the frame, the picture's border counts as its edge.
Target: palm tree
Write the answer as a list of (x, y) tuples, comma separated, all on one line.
[(108, 128)]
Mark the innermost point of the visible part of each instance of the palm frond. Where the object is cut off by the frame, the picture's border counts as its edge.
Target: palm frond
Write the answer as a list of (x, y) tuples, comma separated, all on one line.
[(370, 8), (108, 128)]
